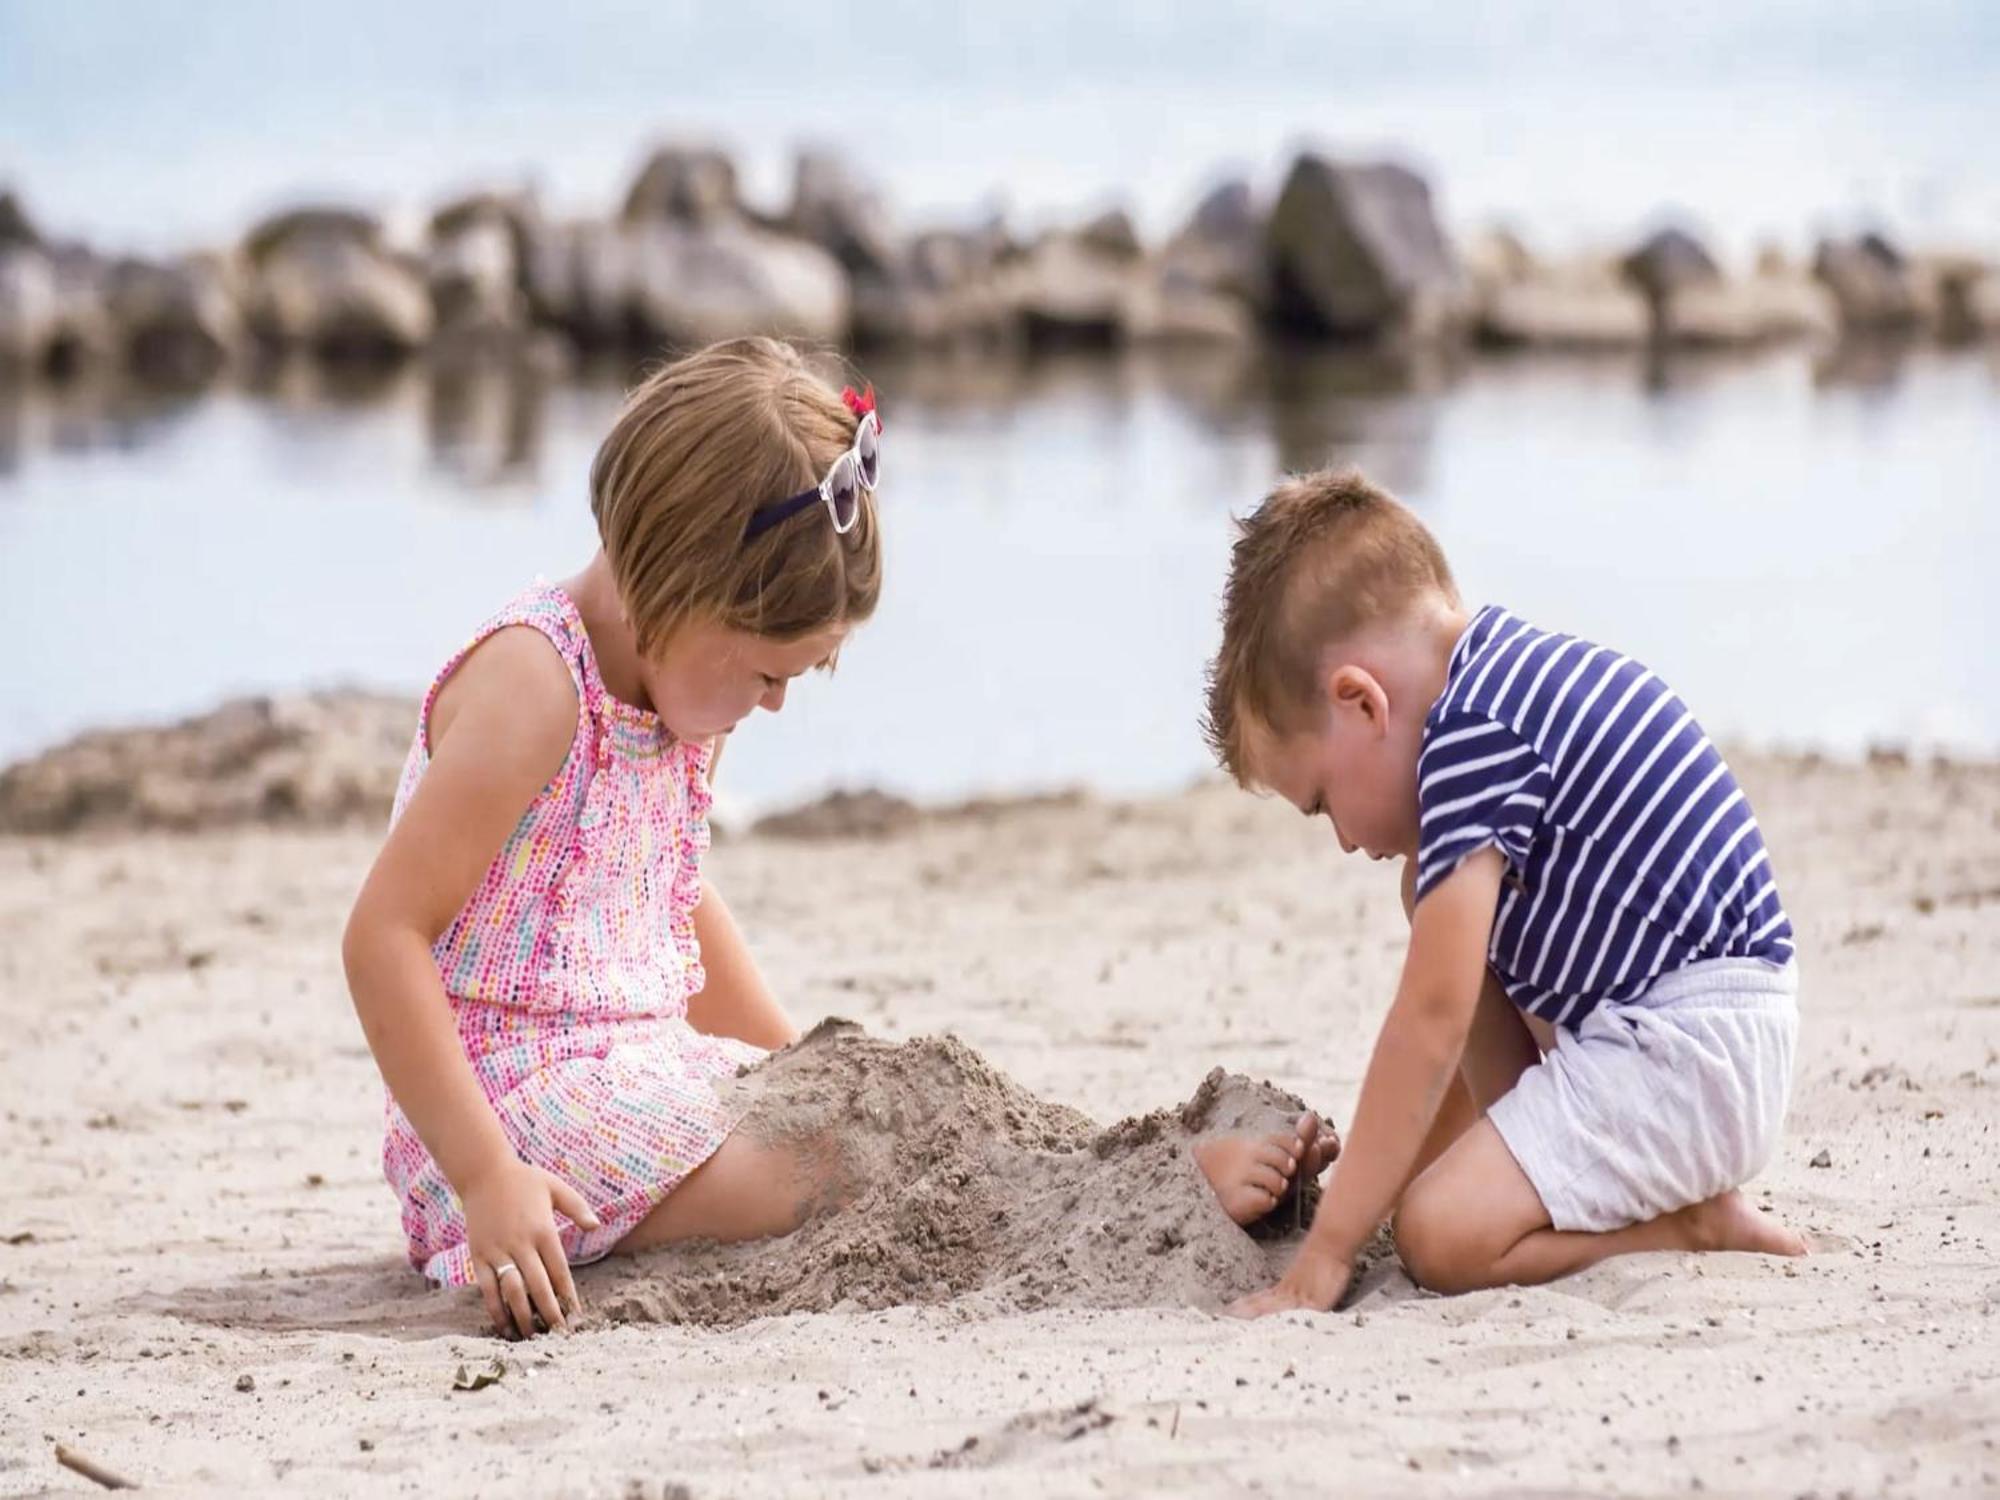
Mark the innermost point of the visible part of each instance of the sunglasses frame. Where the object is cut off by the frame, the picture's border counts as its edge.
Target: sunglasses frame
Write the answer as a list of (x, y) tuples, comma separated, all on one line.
[(780, 511)]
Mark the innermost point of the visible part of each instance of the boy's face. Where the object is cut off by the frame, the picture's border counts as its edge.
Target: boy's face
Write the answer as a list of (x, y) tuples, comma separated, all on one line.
[(1353, 762)]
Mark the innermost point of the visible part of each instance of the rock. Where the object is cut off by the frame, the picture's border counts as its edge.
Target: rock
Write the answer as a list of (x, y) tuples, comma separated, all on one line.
[(1669, 261), (581, 278), (320, 280), (834, 211), (1962, 295), (1356, 252), (1584, 305), (176, 323), (942, 290), (476, 265), (321, 761), (1172, 306), (1870, 282), (1771, 305), (30, 312), (1221, 248), (1112, 235), (16, 228), (1064, 292), (694, 285), (684, 185)]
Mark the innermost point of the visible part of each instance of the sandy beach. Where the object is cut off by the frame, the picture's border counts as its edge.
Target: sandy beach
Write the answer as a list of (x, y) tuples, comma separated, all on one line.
[(202, 1284)]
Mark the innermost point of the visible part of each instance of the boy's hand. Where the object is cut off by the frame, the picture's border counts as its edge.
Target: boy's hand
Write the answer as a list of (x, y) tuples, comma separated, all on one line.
[(510, 1233), (1316, 1281)]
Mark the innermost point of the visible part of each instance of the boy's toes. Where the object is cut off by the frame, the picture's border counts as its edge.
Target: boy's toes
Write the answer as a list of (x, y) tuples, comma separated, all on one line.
[(1277, 1153)]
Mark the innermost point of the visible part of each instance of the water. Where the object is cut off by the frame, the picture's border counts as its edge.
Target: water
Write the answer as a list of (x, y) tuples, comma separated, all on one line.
[(155, 126), (1806, 549)]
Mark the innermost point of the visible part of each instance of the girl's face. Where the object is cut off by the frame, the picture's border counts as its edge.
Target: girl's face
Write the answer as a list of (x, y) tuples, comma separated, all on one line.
[(710, 678)]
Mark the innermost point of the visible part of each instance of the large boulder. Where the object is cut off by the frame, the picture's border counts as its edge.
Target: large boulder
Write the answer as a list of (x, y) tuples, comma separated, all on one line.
[(1871, 284), (849, 221), (16, 228), (1961, 296), (30, 309), (321, 280), (1669, 261), (682, 184), (943, 289), (1063, 291), (1356, 252), (692, 285), (476, 266), (1221, 247), (176, 323), (1584, 304)]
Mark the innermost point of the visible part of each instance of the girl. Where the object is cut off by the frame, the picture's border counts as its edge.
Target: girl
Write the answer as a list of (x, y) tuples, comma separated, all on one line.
[(548, 983)]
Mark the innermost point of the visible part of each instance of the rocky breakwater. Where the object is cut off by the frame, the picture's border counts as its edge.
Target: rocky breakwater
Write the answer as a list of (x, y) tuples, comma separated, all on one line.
[(1346, 251)]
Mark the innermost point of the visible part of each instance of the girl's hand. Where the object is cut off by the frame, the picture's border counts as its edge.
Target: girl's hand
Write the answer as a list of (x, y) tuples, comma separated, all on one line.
[(510, 1231)]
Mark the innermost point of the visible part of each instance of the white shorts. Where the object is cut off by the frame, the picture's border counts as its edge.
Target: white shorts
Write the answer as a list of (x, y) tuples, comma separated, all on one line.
[(1660, 1102)]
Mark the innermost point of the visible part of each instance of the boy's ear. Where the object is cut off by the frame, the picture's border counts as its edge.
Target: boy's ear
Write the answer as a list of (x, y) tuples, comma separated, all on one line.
[(1359, 690)]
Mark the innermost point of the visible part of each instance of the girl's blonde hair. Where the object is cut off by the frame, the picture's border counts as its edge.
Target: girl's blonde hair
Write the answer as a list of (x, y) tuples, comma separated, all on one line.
[(699, 447)]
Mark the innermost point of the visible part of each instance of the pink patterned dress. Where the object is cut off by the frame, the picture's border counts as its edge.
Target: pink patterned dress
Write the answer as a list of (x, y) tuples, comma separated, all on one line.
[(569, 971)]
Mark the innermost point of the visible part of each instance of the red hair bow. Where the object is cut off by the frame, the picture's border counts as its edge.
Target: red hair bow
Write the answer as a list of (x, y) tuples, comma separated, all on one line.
[(861, 402)]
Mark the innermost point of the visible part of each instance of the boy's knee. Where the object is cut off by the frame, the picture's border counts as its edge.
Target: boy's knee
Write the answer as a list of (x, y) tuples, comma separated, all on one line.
[(1434, 1244)]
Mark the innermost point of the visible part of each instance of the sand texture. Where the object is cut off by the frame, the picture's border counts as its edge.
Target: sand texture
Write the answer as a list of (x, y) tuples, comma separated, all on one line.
[(202, 1285)]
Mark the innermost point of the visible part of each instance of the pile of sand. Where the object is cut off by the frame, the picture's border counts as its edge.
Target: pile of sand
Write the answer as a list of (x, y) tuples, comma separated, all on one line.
[(959, 1184), (319, 761)]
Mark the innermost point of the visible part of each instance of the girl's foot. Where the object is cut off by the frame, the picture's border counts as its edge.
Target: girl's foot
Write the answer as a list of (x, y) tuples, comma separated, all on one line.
[(1251, 1174)]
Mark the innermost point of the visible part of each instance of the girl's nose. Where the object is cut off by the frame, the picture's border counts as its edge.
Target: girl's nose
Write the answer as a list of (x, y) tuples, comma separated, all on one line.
[(774, 697)]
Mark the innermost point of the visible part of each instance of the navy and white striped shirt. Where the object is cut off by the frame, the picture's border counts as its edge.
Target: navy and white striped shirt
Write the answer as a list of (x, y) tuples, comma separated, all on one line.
[(1630, 849)]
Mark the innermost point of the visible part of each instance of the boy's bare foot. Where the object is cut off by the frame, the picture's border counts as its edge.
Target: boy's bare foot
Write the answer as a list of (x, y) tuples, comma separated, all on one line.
[(1250, 1173), (1729, 1221)]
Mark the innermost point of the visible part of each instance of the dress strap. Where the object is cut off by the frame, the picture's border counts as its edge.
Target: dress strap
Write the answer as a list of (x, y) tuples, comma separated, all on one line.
[(548, 610)]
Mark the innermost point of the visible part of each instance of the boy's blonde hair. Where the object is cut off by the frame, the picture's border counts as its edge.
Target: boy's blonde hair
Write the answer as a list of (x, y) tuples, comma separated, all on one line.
[(699, 447), (1325, 555)]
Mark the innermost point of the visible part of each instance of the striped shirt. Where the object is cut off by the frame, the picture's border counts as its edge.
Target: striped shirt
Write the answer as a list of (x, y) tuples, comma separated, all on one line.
[(1630, 849)]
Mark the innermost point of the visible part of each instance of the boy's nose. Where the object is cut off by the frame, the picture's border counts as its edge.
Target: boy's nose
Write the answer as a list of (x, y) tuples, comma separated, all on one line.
[(1346, 845)]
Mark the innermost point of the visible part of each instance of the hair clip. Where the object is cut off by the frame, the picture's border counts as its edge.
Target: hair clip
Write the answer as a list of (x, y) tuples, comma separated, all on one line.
[(861, 402)]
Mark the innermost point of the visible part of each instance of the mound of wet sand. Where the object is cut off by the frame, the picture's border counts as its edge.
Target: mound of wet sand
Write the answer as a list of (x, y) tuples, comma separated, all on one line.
[(957, 1183), (325, 760)]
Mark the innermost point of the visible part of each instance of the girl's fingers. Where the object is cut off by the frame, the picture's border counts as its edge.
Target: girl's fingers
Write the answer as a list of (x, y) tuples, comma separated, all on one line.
[(557, 1265), (496, 1314), (570, 1203), (544, 1293), (514, 1292)]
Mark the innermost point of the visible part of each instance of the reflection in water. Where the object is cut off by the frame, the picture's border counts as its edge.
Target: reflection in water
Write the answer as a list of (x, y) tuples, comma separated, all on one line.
[(1060, 526), (485, 423)]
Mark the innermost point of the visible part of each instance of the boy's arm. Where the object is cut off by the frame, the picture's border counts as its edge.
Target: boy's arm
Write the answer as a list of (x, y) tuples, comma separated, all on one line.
[(1416, 1057), (735, 1001)]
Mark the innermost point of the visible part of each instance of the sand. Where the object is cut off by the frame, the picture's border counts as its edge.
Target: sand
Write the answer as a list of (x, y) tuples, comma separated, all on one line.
[(201, 1284)]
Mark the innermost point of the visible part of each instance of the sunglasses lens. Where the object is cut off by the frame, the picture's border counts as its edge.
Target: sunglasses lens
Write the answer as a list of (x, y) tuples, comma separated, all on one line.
[(868, 445), (845, 494)]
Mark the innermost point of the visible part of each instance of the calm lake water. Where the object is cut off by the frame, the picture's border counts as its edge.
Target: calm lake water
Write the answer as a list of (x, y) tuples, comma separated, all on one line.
[(1806, 548)]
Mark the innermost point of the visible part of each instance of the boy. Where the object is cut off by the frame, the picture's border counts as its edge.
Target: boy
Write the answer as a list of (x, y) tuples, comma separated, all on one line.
[(1575, 852)]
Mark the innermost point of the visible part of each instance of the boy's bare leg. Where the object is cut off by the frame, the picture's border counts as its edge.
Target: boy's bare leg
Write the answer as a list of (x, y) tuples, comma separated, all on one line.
[(1474, 1220)]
